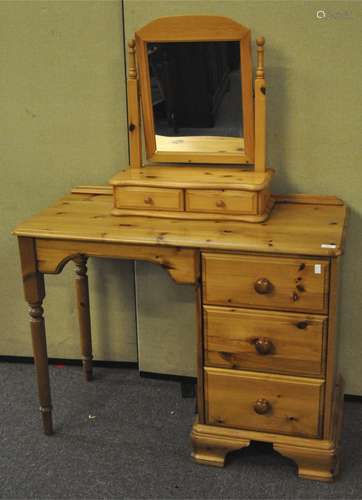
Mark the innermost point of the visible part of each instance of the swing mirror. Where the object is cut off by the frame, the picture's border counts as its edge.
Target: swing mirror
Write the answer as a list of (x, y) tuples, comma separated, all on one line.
[(195, 79)]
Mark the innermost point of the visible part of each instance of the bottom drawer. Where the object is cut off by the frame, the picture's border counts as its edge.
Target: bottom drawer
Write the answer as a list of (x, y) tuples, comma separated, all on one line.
[(263, 402)]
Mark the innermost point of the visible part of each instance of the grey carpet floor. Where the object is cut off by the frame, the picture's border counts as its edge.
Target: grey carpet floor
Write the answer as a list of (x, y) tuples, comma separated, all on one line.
[(123, 436)]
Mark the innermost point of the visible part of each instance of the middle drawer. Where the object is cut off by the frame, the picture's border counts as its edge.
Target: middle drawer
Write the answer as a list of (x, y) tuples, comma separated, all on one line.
[(245, 339)]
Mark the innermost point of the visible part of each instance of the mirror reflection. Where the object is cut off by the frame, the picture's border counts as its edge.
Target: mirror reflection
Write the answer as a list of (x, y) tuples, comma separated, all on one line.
[(196, 96)]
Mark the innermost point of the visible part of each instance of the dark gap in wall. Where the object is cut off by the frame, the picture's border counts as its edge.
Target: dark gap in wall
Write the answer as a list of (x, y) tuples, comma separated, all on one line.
[(125, 52)]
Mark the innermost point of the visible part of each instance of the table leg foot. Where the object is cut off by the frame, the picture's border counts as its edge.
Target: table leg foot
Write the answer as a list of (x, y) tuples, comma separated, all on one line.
[(46, 414)]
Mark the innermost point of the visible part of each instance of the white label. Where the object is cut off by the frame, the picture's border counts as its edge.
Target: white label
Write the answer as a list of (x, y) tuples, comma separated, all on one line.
[(328, 245), (317, 269)]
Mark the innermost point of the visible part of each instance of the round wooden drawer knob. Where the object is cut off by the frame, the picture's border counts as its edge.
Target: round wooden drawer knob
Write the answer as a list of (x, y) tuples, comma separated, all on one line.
[(148, 200), (262, 406), (220, 204), (263, 345), (263, 286)]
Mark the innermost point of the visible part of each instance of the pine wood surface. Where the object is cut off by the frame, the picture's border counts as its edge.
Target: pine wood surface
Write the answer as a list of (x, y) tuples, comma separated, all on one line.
[(316, 458), (294, 284), (180, 263), (133, 107), (200, 144), (149, 198), (193, 29), (294, 402), (294, 342), (332, 377), (196, 177), (228, 201), (34, 291), (293, 228), (220, 216), (260, 109), (84, 319)]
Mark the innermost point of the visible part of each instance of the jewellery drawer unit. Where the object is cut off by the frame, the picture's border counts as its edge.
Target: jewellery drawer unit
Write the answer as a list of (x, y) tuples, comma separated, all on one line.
[(267, 368), (233, 193)]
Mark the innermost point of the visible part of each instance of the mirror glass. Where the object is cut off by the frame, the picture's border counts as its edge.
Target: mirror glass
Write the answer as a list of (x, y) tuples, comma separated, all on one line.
[(196, 96)]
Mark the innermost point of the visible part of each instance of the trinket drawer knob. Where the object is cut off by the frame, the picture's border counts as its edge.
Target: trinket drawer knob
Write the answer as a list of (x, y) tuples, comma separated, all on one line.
[(220, 204), (148, 200)]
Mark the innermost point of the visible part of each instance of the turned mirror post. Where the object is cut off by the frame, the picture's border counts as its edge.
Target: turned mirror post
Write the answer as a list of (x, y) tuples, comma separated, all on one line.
[(260, 109), (134, 118)]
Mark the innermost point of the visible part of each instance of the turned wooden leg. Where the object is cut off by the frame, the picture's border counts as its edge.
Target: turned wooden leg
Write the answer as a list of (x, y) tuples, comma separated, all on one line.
[(212, 450), (318, 464), (34, 294), (82, 290)]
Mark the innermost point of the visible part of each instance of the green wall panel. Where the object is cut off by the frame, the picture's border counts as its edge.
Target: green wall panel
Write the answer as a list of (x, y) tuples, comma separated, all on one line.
[(63, 108)]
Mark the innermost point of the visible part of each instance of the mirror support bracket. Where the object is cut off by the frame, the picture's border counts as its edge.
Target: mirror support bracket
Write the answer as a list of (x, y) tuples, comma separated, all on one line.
[(260, 109), (134, 117)]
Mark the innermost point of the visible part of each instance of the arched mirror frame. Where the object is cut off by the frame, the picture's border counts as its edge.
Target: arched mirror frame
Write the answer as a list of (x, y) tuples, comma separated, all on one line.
[(196, 29)]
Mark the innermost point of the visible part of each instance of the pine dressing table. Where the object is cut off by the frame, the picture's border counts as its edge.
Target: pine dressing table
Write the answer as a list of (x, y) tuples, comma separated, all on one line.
[(265, 274)]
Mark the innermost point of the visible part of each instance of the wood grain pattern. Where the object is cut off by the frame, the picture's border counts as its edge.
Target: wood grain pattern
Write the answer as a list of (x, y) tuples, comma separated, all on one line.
[(147, 198), (192, 28), (316, 458), (292, 228), (211, 450), (294, 402), (241, 396), (226, 201), (197, 216), (295, 284), (180, 263), (296, 341), (82, 293), (201, 144), (308, 199), (200, 177), (200, 400), (34, 291), (317, 464), (332, 360), (260, 109), (244, 197), (134, 116)]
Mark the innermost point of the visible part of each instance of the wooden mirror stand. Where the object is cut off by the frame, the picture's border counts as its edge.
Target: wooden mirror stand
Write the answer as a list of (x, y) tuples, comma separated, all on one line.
[(195, 182)]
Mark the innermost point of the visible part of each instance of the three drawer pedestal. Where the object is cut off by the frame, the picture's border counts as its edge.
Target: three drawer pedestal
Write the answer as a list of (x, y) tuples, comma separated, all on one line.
[(268, 360)]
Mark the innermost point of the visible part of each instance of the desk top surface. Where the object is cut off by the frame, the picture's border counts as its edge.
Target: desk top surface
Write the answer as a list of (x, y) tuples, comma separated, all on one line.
[(297, 225)]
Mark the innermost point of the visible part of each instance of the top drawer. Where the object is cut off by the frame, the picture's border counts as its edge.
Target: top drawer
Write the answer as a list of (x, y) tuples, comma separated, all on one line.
[(294, 284)]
